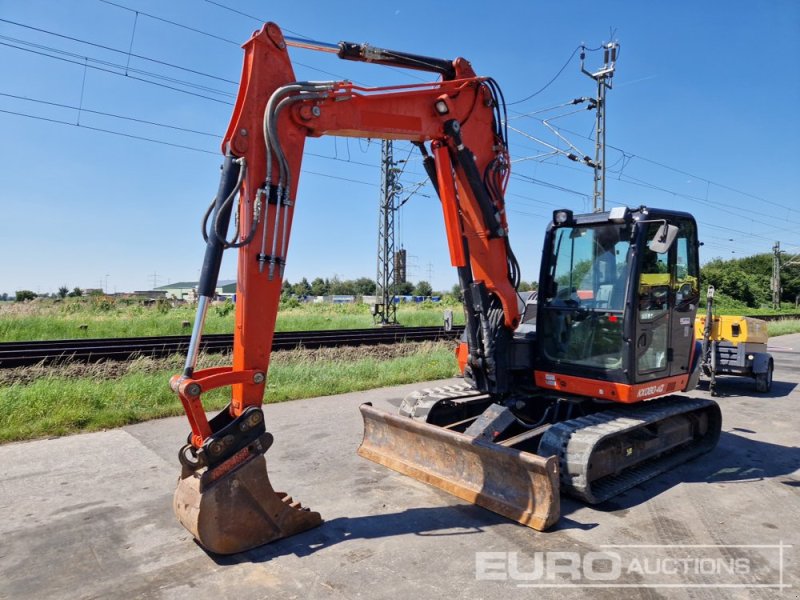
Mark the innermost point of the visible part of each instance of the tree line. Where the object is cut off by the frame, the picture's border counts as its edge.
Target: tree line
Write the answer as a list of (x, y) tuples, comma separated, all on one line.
[(22, 295), (363, 286), (746, 281)]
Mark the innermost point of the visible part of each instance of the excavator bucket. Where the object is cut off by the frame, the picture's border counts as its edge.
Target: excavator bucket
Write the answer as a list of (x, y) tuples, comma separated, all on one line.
[(518, 485), (239, 510)]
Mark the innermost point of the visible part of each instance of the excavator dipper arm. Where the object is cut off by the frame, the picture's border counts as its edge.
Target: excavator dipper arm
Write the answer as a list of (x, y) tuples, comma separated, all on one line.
[(459, 116)]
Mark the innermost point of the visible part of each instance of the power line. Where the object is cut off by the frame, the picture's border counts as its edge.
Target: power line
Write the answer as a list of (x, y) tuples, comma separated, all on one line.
[(549, 83), (212, 35), (124, 68), (640, 182), (260, 20), (349, 180), (628, 156), (254, 18), (171, 144), (84, 64), (126, 52), (107, 114), (208, 34), (672, 192), (529, 179), (166, 126), (174, 23), (720, 185), (119, 133)]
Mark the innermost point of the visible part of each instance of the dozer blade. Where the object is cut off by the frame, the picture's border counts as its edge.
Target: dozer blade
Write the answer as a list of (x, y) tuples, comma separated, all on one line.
[(515, 484), (239, 510)]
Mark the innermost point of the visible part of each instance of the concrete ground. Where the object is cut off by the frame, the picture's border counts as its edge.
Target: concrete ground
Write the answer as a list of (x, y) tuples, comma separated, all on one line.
[(90, 516)]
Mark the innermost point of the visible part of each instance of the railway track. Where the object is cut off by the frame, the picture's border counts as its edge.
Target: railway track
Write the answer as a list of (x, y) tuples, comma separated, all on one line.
[(782, 317), (21, 354)]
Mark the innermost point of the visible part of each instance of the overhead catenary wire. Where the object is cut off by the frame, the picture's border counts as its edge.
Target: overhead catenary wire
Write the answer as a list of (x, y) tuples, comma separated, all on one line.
[(128, 52), (556, 76), (171, 144), (110, 131), (168, 126), (260, 20), (125, 69), (118, 73), (629, 156), (107, 114), (626, 157), (207, 33)]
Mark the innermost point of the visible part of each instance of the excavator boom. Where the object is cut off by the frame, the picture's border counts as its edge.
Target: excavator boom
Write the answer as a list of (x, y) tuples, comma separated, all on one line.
[(459, 119)]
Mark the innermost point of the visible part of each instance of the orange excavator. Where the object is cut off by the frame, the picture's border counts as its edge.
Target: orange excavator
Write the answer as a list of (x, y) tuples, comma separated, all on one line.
[(554, 392)]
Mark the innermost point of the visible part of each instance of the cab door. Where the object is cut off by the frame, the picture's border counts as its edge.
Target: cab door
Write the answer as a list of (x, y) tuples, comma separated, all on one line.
[(653, 297), (686, 295)]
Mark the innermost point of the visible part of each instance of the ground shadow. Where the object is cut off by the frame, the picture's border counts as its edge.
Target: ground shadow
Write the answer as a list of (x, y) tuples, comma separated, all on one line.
[(736, 459), (439, 521), (449, 521), (729, 386)]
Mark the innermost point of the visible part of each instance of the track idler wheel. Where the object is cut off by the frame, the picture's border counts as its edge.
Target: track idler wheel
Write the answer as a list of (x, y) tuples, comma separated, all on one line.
[(233, 507)]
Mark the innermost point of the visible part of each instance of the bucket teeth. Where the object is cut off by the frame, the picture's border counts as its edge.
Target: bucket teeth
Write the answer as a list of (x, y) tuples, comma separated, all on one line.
[(239, 510)]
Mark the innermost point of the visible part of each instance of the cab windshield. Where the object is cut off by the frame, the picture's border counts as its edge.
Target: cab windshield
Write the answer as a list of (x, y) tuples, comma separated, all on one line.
[(585, 299)]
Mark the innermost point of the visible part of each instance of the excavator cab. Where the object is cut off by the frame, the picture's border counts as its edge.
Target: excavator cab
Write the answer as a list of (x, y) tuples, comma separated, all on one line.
[(618, 295)]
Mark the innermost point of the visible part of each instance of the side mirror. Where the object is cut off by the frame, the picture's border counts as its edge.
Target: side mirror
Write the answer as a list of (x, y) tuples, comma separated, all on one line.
[(663, 239)]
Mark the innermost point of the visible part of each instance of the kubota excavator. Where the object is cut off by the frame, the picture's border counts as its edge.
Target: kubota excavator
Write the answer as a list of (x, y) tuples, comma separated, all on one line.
[(554, 393)]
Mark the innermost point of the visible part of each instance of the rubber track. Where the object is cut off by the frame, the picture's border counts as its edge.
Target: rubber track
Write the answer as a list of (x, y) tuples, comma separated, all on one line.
[(574, 441), (19, 354)]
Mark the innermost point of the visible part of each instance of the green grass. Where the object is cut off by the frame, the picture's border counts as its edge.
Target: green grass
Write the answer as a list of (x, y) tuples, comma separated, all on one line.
[(775, 328), (106, 318), (50, 403)]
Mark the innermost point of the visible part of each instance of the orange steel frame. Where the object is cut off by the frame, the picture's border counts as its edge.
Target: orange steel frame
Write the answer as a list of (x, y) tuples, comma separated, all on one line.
[(595, 388), (398, 112)]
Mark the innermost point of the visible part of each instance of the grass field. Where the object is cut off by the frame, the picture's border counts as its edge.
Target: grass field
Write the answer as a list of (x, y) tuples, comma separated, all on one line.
[(783, 327), (51, 401), (46, 401), (104, 317)]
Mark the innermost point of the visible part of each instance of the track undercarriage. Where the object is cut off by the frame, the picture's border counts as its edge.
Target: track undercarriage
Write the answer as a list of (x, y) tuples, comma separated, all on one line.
[(590, 449)]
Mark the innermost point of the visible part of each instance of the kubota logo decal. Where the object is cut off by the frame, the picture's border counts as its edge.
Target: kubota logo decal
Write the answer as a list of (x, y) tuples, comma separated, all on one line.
[(650, 391)]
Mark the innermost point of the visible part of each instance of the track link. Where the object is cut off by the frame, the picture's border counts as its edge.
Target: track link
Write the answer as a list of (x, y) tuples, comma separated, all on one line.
[(575, 442)]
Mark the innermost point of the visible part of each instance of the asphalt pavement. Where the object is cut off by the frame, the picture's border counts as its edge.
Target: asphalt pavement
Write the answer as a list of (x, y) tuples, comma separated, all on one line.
[(90, 516)]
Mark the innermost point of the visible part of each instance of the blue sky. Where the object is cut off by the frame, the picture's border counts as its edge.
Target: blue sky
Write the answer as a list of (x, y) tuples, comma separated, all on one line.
[(702, 118)]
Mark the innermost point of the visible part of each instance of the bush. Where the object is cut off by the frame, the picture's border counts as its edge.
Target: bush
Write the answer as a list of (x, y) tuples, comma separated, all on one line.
[(223, 310), (103, 303), (163, 306), (290, 302), (22, 295)]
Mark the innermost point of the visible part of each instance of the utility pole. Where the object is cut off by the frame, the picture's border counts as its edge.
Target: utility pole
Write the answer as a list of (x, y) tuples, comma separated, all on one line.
[(775, 284), (385, 309), (603, 78)]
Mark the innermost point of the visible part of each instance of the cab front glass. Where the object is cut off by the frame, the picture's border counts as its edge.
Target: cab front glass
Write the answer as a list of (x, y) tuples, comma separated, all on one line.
[(582, 309)]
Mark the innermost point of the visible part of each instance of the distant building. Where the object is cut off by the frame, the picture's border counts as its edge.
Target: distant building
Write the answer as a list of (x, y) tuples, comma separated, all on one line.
[(187, 290), (334, 299)]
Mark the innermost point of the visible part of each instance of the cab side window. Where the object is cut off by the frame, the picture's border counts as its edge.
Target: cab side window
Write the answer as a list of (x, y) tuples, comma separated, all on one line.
[(654, 281), (687, 280)]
